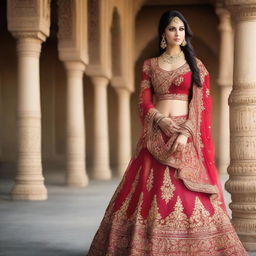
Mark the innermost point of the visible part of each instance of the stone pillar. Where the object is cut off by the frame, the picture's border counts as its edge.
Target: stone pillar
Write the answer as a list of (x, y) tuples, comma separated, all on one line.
[(242, 102), (75, 148), (225, 81), (29, 22), (29, 180), (124, 129), (101, 169)]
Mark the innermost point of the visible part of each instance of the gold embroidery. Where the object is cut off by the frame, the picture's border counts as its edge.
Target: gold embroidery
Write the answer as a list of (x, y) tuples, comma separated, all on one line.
[(207, 92), (162, 81), (178, 80), (121, 213), (202, 69), (153, 214), (167, 188), (150, 180), (200, 216), (171, 96), (190, 166), (146, 67), (145, 84), (177, 219), (136, 216), (177, 234)]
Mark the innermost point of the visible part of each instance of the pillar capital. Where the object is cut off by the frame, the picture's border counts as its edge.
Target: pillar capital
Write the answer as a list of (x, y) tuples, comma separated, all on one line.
[(100, 80), (29, 19), (75, 68), (224, 18), (36, 35), (242, 9)]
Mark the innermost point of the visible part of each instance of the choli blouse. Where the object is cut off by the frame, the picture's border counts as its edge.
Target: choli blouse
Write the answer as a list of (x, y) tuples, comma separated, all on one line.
[(174, 84), (162, 84)]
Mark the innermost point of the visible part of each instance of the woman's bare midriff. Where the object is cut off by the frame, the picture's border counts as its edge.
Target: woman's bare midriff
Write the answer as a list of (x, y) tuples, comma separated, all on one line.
[(172, 107)]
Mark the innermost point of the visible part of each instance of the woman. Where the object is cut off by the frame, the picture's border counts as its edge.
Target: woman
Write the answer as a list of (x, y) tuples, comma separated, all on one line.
[(170, 200)]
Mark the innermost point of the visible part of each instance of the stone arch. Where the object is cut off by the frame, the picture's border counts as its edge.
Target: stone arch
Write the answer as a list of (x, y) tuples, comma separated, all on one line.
[(94, 31), (116, 67), (66, 16), (116, 43)]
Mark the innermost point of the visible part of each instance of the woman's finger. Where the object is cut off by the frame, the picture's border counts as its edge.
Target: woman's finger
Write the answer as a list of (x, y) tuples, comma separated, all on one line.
[(174, 146), (174, 124)]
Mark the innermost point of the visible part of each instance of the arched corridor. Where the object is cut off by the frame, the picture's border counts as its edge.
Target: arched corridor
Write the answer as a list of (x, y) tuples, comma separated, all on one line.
[(69, 84)]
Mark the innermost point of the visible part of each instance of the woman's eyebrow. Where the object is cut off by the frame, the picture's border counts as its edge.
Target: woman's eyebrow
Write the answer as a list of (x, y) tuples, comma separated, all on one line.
[(182, 26)]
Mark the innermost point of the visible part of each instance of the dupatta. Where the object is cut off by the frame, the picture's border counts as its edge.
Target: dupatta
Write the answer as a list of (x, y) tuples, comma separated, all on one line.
[(195, 165)]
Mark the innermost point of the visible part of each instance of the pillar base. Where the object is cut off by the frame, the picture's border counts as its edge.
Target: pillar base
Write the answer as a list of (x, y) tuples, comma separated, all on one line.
[(77, 180), (29, 192), (248, 242), (102, 174), (250, 247)]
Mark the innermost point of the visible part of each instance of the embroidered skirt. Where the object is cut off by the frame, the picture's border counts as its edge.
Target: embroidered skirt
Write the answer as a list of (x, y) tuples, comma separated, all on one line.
[(152, 213)]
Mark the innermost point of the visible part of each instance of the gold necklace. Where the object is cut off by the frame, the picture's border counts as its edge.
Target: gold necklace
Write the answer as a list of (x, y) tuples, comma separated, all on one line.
[(172, 58)]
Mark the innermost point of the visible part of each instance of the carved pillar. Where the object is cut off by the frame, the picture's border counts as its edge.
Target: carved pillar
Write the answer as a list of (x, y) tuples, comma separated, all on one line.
[(124, 129), (72, 47), (225, 81), (75, 151), (29, 23), (101, 169), (242, 102)]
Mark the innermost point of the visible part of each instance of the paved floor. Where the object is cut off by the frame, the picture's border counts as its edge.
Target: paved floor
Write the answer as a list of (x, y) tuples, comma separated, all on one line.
[(62, 225)]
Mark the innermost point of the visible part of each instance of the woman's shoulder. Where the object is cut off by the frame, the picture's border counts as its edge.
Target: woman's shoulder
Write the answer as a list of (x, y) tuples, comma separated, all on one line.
[(148, 61), (148, 65)]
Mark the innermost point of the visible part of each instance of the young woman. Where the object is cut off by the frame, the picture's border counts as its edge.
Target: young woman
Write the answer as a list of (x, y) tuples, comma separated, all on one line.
[(170, 200)]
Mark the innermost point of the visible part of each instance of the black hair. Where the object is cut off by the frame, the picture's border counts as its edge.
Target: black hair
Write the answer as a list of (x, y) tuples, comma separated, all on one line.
[(187, 49)]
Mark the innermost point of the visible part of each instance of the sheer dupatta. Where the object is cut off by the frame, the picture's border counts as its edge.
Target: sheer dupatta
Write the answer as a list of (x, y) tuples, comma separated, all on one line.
[(195, 165)]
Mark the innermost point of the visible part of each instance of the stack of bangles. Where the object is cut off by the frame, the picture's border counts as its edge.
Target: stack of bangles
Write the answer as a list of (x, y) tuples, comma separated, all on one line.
[(158, 117)]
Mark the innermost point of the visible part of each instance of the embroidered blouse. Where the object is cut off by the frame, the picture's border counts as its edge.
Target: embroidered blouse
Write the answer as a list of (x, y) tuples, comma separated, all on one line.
[(162, 84)]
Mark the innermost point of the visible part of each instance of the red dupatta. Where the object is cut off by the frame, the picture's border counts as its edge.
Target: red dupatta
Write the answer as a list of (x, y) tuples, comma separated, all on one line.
[(195, 165)]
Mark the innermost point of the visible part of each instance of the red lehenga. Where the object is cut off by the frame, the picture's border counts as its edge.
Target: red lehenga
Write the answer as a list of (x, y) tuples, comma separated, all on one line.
[(170, 204)]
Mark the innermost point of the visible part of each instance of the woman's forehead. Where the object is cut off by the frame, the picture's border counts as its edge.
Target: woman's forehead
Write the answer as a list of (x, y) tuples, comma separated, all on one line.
[(176, 22)]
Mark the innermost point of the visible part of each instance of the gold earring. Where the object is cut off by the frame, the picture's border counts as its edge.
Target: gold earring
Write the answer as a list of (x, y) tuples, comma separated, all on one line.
[(184, 43), (163, 43)]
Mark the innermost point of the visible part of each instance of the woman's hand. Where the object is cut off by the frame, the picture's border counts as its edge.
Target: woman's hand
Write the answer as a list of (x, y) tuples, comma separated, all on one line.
[(168, 126), (179, 143)]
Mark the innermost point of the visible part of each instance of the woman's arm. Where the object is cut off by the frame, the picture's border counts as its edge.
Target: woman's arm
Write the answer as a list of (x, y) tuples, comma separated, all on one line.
[(146, 107)]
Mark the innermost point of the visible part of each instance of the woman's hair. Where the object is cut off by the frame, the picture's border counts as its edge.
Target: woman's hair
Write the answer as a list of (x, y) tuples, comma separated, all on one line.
[(187, 49)]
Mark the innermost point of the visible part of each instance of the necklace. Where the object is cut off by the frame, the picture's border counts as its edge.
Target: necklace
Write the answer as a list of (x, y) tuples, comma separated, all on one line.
[(172, 58)]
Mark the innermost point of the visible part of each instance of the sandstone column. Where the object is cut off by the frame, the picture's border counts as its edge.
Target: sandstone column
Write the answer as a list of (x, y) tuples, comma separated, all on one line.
[(101, 169), (72, 48), (75, 149), (124, 129), (242, 101), (225, 81), (29, 179), (29, 22)]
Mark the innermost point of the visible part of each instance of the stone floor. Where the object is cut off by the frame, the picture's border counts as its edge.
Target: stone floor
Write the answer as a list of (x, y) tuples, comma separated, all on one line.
[(62, 225)]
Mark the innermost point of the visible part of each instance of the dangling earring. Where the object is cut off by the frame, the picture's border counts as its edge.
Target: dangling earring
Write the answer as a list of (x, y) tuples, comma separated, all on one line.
[(184, 43), (163, 43)]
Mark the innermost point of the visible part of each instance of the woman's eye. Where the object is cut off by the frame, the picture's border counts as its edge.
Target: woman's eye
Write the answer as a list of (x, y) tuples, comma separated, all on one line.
[(173, 29)]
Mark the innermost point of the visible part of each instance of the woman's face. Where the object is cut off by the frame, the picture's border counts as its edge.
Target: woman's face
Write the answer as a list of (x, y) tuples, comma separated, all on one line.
[(175, 32)]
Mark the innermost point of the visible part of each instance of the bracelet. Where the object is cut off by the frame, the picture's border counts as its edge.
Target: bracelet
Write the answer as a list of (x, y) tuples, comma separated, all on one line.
[(158, 116), (159, 119)]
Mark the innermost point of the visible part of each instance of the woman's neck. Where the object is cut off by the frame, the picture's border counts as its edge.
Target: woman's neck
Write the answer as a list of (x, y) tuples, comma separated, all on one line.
[(173, 50)]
